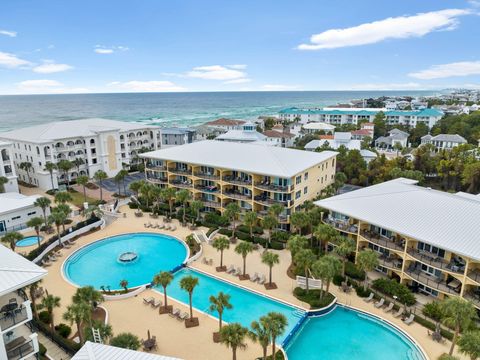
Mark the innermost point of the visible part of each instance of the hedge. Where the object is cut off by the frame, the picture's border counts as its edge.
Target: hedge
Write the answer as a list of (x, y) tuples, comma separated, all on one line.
[(68, 345), (255, 229), (392, 288), (63, 330), (352, 271), (432, 326), (312, 297)]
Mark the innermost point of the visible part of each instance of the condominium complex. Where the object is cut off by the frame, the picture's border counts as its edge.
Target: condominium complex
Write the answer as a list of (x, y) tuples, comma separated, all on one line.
[(16, 209), (254, 176), (7, 167), (426, 239), (101, 144), (341, 116), (17, 341)]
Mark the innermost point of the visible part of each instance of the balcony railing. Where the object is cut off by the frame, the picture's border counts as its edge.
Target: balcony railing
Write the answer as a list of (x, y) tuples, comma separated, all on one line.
[(156, 167), (235, 195), (273, 187), (13, 317), (474, 275), (207, 176), (213, 204), (19, 348), (181, 184), (433, 282), (207, 189), (180, 171), (281, 217), (341, 225), (435, 261), (473, 297), (158, 180), (237, 180), (390, 262), (382, 241)]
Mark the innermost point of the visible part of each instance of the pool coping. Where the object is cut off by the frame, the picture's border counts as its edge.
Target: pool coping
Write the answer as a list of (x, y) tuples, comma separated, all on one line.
[(62, 269), (26, 237)]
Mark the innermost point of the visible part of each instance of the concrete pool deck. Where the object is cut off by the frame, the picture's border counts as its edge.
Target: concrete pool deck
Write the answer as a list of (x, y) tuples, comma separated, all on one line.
[(196, 343)]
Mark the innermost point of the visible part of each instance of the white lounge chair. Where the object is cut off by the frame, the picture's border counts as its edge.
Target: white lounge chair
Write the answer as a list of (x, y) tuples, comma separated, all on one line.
[(167, 227), (237, 272), (156, 303), (148, 301), (183, 316), (254, 278), (369, 298), (231, 269), (173, 228), (175, 313), (262, 280), (398, 313), (380, 303), (409, 320), (161, 226), (389, 307)]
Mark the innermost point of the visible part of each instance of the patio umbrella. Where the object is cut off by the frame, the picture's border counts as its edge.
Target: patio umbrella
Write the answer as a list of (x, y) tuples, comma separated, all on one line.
[(148, 334)]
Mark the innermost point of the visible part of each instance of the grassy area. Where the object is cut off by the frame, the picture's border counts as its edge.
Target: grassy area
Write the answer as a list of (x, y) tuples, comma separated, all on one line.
[(78, 199)]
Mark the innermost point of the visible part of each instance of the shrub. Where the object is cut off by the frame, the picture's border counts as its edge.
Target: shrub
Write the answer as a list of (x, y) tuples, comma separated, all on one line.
[(312, 297), (361, 292), (276, 245), (225, 232), (211, 230), (132, 205), (352, 271), (433, 310), (126, 341), (68, 345), (256, 229), (448, 357), (44, 317), (63, 330), (42, 350), (280, 236), (214, 219), (392, 288), (429, 325), (338, 279)]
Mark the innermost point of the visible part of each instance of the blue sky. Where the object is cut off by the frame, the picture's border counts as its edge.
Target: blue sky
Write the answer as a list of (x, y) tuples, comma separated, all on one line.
[(189, 45)]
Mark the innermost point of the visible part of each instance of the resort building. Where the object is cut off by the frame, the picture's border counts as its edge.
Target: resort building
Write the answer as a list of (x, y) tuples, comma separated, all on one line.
[(7, 167), (17, 341), (334, 142), (353, 116), (314, 127), (16, 209), (95, 351), (443, 141), (177, 136), (101, 144), (426, 239), (246, 134), (256, 177), (395, 138)]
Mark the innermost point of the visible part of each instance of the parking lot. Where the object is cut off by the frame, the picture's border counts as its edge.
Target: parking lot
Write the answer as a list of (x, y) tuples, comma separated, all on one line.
[(112, 186)]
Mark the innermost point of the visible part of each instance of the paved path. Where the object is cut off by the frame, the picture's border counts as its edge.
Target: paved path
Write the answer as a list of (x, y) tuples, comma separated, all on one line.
[(53, 351)]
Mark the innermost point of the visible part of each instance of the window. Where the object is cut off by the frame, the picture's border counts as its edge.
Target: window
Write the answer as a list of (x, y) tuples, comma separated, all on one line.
[(31, 213), (298, 180), (94, 161), (305, 177), (16, 217), (305, 190), (298, 194)]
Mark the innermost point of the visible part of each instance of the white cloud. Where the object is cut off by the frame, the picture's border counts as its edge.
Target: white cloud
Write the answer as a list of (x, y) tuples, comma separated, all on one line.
[(146, 86), (237, 66), (12, 61), (279, 87), (401, 27), (217, 72), (238, 81), (8, 33), (101, 49), (49, 67), (462, 68), (46, 86)]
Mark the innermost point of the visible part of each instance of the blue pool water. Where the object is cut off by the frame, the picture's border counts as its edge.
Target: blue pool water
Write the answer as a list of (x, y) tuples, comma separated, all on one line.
[(97, 264), (28, 241), (345, 334), (247, 305)]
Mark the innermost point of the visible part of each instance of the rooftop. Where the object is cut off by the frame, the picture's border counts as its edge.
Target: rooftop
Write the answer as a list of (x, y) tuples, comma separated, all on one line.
[(441, 219), (176, 131), (278, 134), (12, 201), (225, 122), (318, 126), (267, 160), (94, 351), (446, 137), (365, 111), (241, 135)]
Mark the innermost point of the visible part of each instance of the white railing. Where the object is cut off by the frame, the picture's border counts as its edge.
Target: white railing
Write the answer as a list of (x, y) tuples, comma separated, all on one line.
[(312, 283), (125, 296), (196, 256)]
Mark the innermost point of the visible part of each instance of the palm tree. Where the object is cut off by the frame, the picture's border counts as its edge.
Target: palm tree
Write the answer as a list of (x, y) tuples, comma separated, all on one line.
[(50, 302), (326, 269), (269, 223), (88, 295), (62, 197), (250, 220), (458, 314), (261, 334), (65, 166), (168, 195), (367, 260), (118, 180), (124, 174), (77, 163), (83, 180), (183, 196), (65, 209), (244, 248), (270, 259), (58, 218), (231, 212), (135, 186), (299, 220), (32, 289), (43, 203), (27, 167), (50, 167), (324, 234), (124, 284), (233, 336), (78, 313), (469, 344), (196, 206), (99, 176), (188, 284), (11, 238), (275, 210), (3, 181), (147, 192), (36, 223), (275, 323), (295, 244), (164, 279), (221, 243), (305, 259), (93, 211), (219, 303), (345, 246)]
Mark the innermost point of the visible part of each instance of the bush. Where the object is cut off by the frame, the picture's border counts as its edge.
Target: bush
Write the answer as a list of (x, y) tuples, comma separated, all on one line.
[(392, 288), (42, 350), (448, 357), (429, 325), (280, 236), (352, 271), (361, 292), (213, 219), (211, 230), (63, 330), (312, 297), (338, 279), (256, 229), (44, 317), (68, 345), (225, 232), (433, 310), (276, 245), (126, 341)]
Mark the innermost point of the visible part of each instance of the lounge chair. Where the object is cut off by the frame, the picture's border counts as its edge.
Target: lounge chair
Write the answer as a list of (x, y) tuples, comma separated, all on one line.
[(167, 227), (262, 280), (183, 316), (380, 303), (148, 301), (161, 226), (210, 262), (369, 298), (409, 320), (389, 307), (175, 313), (204, 260), (398, 313), (231, 269), (173, 228), (254, 278), (156, 303), (237, 272)]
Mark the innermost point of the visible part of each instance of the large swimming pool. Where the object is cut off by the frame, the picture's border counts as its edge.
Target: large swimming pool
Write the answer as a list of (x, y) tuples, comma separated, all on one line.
[(135, 257), (28, 241)]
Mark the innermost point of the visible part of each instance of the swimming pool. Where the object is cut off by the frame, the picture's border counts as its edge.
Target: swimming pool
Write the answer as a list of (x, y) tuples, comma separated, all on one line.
[(348, 334), (28, 241), (136, 257), (247, 305)]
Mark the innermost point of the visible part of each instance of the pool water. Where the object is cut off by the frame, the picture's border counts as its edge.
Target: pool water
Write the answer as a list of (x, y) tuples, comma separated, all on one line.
[(28, 241), (98, 264), (247, 305), (345, 334)]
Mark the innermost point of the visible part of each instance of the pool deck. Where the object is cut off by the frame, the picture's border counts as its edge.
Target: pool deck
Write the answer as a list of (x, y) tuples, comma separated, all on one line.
[(196, 343)]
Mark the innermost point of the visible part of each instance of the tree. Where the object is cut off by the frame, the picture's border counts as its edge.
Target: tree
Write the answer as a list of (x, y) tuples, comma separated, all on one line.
[(43, 203), (471, 177), (345, 246), (219, 303), (188, 283), (89, 295), (231, 212), (275, 323), (325, 233), (367, 260), (168, 195), (11, 239), (164, 279), (27, 167), (195, 207), (220, 243), (183, 196), (469, 344), (305, 259), (244, 248), (78, 313), (123, 175), (250, 220), (77, 163), (36, 223), (124, 285), (58, 218), (458, 314), (50, 302), (99, 176), (270, 259), (261, 334), (299, 220), (32, 289), (326, 269), (275, 210), (295, 244), (233, 336), (3, 181), (135, 186), (105, 331), (269, 223), (62, 197), (65, 166), (50, 167), (126, 341), (380, 128), (65, 209), (83, 181), (118, 180), (147, 192), (366, 143)]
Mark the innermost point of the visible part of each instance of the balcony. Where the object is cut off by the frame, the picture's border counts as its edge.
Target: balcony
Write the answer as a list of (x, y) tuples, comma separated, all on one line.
[(392, 262), (473, 296), (13, 314), (281, 217), (435, 261), (21, 347), (272, 187), (157, 180), (156, 167), (207, 176), (210, 189), (433, 282), (237, 180), (340, 225), (180, 171), (382, 241), (181, 184), (474, 275), (237, 195), (212, 204)]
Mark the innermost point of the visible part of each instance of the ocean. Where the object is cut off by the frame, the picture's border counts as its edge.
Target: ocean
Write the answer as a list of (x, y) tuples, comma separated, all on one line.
[(168, 109)]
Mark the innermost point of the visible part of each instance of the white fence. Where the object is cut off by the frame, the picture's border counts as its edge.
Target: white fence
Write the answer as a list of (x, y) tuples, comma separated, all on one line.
[(312, 283), (125, 296)]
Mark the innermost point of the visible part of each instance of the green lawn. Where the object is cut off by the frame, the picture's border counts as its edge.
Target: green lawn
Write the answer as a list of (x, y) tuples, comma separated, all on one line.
[(78, 199)]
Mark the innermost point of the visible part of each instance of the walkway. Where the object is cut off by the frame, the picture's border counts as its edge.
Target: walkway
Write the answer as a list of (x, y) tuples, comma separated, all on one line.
[(53, 351)]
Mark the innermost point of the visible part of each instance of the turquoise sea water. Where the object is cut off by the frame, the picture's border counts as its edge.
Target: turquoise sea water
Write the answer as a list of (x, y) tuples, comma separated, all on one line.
[(164, 109), (28, 241), (97, 264)]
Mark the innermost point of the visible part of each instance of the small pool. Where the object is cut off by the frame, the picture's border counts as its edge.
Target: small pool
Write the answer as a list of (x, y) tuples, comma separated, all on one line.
[(247, 305), (345, 334), (28, 241), (102, 263)]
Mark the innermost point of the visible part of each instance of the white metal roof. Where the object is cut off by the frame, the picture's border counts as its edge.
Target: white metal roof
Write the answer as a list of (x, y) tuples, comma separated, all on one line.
[(241, 135), (17, 272), (94, 351), (319, 126), (334, 144), (13, 201), (266, 160), (448, 221), (67, 129)]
